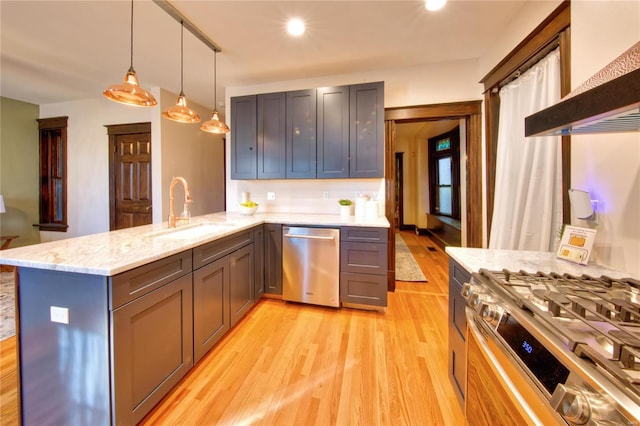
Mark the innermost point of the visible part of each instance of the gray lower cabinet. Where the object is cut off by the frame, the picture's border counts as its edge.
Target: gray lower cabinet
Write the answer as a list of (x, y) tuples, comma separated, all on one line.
[(363, 266), (241, 282), (152, 348), (211, 319), (273, 259), (223, 288), (457, 330), (258, 251), (118, 346)]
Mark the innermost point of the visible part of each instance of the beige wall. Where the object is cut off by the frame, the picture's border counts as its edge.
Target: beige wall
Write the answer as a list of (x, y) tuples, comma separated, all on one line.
[(195, 155), (607, 165), (19, 170), (177, 149)]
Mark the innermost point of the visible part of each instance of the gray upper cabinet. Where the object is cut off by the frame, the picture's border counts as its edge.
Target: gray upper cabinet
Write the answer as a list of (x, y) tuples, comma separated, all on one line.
[(271, 136), (366, 138), (324, 133), (301, 134), (244, 137), (333, 132)]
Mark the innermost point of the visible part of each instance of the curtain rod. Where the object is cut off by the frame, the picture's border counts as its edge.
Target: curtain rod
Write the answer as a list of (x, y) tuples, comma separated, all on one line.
[(190, 26)]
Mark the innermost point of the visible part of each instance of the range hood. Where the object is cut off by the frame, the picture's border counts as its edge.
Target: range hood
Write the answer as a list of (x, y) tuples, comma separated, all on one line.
[(608, 102)]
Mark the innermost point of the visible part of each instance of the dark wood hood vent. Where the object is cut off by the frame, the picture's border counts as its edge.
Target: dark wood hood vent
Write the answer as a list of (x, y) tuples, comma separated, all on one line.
[(609, 102)]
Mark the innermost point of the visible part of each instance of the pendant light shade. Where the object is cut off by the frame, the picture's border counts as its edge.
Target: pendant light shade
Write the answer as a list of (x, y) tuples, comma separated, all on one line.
[(214, 125), (129, 92), (180, 112)]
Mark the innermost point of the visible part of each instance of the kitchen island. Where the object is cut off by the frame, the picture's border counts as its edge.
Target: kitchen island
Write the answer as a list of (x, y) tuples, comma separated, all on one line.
[(109, 323)]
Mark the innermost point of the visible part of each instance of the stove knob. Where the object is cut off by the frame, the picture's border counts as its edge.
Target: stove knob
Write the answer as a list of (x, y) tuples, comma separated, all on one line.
[(491, 313), (475, 300), (571, 404), (467, 289)]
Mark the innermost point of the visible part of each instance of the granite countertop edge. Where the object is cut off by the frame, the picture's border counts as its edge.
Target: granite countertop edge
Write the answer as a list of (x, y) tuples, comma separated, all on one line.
[(474, 259), (114, 252)]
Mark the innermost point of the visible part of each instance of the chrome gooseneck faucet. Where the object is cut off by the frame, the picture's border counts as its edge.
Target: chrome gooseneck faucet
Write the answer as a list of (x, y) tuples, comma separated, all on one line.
[(185, 216)]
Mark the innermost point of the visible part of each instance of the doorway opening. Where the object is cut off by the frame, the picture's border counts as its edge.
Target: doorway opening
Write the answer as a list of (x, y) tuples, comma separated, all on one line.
[(468, 114)]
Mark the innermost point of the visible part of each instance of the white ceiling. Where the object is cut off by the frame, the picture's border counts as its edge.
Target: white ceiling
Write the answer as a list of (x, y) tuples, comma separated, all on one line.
[(55, 51)]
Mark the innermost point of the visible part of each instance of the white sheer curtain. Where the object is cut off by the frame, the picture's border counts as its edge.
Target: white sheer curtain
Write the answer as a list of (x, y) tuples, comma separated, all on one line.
[(527, 210)]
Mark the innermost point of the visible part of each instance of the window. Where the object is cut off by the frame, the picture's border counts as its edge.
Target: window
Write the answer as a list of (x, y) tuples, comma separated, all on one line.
[(53, 174), (444, 174)]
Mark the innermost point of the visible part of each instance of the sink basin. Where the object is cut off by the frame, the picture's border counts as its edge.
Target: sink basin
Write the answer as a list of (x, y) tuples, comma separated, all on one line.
[(193, 231)]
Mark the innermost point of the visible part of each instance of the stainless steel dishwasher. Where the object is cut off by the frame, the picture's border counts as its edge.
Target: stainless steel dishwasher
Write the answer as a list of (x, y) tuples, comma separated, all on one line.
[(311, 265)]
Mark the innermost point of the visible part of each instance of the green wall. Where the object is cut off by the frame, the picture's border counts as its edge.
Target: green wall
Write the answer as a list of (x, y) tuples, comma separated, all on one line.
[(19, 170)]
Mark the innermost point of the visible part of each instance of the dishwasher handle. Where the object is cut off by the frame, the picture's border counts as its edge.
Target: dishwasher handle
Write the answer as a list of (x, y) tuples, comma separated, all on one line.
[(309, 237)]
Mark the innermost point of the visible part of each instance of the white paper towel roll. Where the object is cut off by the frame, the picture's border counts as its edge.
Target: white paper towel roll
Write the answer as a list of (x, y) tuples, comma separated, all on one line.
[(371, 209), (361, 205)]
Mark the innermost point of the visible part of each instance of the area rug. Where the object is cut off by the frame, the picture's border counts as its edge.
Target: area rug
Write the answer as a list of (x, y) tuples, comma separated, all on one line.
[(407, 269), (7, 305)]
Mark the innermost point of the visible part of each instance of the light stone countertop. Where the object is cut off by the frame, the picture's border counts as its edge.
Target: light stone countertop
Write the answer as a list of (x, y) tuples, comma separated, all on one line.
[(473, 259), (111, 253)]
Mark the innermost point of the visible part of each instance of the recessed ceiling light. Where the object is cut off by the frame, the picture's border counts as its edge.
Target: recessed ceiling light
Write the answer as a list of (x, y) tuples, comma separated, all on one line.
[(434, 4), (295, 27)]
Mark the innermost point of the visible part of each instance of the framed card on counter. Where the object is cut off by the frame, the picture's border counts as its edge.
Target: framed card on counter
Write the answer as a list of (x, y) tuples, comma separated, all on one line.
[(576, 244)]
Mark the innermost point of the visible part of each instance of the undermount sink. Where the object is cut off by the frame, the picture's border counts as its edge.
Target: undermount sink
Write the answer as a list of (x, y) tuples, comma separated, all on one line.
[(193, 231)]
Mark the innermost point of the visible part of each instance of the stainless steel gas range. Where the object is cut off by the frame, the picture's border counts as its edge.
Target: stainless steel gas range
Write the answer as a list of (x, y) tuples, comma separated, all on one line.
[(565, 349)]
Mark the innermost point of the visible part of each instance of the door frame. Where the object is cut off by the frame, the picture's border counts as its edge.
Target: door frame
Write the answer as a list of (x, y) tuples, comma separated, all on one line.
[(114, 130), (471, 112)]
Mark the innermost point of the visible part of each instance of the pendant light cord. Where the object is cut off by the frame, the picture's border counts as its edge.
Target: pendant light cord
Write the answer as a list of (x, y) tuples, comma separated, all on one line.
[(215, 68), (131, 66), (182, 58)]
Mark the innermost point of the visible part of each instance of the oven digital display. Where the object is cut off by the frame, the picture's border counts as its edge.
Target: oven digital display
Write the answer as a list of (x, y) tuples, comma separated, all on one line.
[(547, 369)]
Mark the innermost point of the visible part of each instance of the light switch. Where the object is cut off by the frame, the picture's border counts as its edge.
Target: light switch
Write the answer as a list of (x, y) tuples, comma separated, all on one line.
[(60, 315)]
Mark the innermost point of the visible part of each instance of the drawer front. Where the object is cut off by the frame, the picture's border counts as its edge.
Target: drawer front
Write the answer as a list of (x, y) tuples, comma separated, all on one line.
[(459, 273), (363, 289), (363, 258), (137, 282), (363, 234), (207, 253)]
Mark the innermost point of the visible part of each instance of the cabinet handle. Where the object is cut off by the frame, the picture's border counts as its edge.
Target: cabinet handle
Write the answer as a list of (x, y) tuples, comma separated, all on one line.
[(309, 237)]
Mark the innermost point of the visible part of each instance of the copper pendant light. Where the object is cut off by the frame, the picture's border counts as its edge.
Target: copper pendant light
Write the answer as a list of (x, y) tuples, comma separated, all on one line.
[(214, 125), (180, 112), (129, 92)]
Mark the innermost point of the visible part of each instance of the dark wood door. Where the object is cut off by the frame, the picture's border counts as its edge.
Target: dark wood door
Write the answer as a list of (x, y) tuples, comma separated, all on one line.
[(130, 175)]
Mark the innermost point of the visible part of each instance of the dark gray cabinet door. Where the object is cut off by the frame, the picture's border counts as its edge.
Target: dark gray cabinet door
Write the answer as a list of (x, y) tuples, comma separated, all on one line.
[(210, 306), (243, 137), (301, 134), (333, 132), (272, 136), (366, 139), (258, 251), (273, 258), (241, 282), (152, 348), (457, 330)]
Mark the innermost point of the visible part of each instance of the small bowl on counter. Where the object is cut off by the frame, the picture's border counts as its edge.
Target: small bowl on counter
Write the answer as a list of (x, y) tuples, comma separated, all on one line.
[(248, 211)]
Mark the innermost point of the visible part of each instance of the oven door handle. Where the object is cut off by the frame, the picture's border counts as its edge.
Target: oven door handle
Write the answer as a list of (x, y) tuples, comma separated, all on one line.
[(496, 366)]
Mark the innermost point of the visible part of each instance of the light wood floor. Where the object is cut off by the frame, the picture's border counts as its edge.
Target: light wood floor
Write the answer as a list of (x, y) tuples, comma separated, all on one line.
[(291, 364)]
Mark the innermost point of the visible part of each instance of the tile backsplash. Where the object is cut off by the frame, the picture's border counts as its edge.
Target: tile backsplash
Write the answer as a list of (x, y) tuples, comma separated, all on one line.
[(302, 195)]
